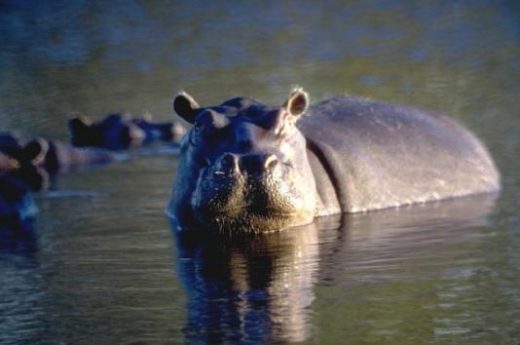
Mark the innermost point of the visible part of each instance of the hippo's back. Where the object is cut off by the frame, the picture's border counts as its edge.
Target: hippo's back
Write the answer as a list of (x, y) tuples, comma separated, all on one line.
[(382, 155)]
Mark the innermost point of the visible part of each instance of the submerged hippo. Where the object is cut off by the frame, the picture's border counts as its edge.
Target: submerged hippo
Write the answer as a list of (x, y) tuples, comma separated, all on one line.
[(15, 151), (54, 156), (115, 131), (59, 157), (246, 166), (121, 131)]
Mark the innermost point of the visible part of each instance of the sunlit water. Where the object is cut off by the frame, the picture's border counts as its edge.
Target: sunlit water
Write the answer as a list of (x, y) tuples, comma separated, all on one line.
[(101, 265)]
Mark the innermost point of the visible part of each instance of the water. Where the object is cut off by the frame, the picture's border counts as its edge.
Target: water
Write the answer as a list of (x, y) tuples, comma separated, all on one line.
[(100, 263)]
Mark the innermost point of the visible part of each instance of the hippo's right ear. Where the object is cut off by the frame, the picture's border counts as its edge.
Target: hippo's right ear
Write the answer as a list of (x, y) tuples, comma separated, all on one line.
[(297, 103), (185, 106)]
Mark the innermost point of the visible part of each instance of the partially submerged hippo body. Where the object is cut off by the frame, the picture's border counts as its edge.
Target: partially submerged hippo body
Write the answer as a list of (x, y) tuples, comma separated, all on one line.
[(15, 151), (121, 131), (52, 155), (25, 165), (249, 167), (16, 203), (60, 157)]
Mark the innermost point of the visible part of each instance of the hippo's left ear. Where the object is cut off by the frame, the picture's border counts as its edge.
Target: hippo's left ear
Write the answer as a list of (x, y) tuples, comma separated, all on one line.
[(297, 102), (36, 150), (185, 106)]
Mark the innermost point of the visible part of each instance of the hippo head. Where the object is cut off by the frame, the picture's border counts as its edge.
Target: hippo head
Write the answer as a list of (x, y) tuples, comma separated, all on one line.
[(21, 151), (21, 161), (243, 166)]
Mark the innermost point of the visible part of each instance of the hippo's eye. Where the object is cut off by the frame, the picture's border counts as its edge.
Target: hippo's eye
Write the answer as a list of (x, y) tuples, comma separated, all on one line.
[(197, 126)]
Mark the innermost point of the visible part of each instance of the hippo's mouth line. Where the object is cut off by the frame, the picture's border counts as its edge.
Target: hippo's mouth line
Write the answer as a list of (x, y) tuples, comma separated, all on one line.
[(254, 211), (247, 220)]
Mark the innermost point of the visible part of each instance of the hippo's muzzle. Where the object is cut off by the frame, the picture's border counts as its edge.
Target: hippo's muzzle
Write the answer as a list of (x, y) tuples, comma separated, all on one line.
[(245, 186), (241, 182)]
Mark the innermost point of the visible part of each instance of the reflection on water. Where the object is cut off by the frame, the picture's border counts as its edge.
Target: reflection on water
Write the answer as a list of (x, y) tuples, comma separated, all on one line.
[(418, 275), (264, 289), (249, 290), (98, 264)]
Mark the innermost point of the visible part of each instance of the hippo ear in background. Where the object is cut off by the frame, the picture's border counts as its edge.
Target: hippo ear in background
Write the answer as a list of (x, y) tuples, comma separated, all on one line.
[(185, 106), (297, 102), (79, 123), (36, 150)]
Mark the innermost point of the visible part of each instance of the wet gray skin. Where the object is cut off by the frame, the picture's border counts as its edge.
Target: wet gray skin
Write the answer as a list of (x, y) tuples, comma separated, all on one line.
[(248, 167)]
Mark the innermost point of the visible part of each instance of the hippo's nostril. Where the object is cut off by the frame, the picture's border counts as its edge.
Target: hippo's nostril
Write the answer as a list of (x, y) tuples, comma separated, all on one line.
[(228, 159), (257, 164), (229, 162), (270, 161)]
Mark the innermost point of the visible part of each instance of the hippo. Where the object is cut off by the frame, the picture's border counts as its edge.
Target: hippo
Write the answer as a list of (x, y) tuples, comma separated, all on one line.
[(7, 163), (51, 155), (115, 131), (18, 209), (121, 131), (16, 150), (16, 202), (58, 157), (20, 162), (32, 177), (248, 167), (18, 177)]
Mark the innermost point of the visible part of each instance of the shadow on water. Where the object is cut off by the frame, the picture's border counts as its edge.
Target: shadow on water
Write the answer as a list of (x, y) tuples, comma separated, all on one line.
[(261, 289)]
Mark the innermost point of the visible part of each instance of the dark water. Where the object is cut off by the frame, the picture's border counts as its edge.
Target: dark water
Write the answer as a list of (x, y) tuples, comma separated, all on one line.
[(100, 264)]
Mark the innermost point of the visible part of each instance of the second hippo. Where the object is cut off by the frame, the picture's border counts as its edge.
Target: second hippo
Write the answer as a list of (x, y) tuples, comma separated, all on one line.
[(249, 167), (121, 131), (54, 156)]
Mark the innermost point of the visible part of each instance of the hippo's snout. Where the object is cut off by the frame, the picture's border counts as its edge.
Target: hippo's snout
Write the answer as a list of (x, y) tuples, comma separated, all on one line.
[(256, 165)]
